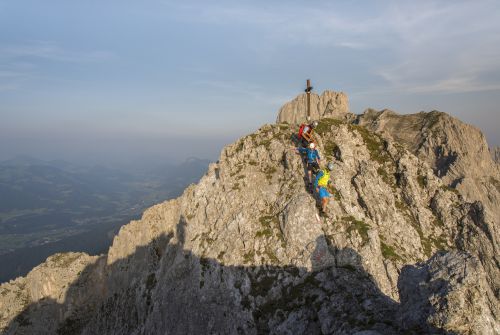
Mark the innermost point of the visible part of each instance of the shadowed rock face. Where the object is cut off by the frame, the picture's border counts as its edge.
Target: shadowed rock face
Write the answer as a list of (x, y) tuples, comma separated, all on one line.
[(180, 293), (449, 292), (243, 252)]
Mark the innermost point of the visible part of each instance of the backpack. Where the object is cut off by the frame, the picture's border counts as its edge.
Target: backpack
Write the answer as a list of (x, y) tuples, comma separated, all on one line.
[(323, 180), (301, 130)]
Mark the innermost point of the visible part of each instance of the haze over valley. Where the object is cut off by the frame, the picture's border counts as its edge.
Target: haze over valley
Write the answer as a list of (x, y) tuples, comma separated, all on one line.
[(55, 206)]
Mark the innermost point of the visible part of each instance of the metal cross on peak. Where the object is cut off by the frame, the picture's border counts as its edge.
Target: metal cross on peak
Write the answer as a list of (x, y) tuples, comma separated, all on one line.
[(308, 92), (308, 86)]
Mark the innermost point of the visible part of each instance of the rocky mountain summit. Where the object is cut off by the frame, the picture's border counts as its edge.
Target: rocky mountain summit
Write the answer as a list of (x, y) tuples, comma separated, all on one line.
[(409, 244), (327, 105)]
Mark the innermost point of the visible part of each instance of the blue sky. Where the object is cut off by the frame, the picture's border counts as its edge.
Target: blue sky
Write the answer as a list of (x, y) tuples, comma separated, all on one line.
[(97, 80)]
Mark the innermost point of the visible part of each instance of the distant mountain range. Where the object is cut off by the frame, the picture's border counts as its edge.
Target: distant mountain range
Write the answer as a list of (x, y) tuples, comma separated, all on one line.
[(43, 203)]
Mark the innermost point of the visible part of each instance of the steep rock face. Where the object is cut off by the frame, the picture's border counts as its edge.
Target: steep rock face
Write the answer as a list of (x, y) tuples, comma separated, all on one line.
[(327, 105), (495, 154), (459, 155), (449, 292), (243, 252)]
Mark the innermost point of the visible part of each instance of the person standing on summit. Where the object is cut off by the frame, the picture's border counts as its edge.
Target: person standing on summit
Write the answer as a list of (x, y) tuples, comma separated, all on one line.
[(313, 160)]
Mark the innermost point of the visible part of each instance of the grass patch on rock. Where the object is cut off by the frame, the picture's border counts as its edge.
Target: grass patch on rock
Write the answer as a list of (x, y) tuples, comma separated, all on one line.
[(63, 260), (359, 226), (330, 148), (271, 255), (325, 125), (264, 233), (422, 181), (388, 179), (249, 256), (239, 167), (239, 146), (388, 252), (220, 256), (432, 243), (269, 171), (432, 118), (266, 143), (268, 223), (374, 144), (449, 189)]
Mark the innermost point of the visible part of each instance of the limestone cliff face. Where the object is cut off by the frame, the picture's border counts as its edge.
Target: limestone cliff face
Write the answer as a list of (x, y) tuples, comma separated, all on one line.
[(459, 156), (495, 154), (243, 251), (452, 148), (327, 105)]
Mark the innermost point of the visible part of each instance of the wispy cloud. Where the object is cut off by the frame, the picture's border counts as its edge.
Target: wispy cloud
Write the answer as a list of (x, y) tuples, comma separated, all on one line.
[(52, 51), (282, 22), (21, 62), (444, 46)]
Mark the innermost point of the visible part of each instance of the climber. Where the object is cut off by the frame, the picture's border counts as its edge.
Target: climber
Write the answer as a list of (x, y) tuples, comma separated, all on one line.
[(305, 134), (321, 185), (313, 160)]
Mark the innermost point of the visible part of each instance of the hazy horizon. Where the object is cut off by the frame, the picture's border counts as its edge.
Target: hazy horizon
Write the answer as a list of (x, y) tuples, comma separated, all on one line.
[(116, 152), (121, 81)]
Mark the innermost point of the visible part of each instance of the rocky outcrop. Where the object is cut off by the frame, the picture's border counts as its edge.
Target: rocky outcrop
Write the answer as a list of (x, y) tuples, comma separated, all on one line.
[(452, 148), (327, 105), (64, 284), (448, 292), (459, 156), (495, 154), (244, 250)]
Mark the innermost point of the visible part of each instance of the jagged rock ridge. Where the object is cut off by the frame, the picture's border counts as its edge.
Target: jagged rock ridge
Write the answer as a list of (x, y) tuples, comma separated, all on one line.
[(242, 252)]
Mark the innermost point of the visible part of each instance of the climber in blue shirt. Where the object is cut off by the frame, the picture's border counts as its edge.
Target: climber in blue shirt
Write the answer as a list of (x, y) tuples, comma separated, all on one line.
[(313, 160)]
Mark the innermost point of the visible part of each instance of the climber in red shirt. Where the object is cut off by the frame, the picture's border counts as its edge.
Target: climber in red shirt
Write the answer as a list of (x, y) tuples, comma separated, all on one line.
[(305, 132)]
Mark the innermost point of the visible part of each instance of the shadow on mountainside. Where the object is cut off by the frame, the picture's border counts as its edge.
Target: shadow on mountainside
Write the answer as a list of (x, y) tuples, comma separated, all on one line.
[(164, 288)]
